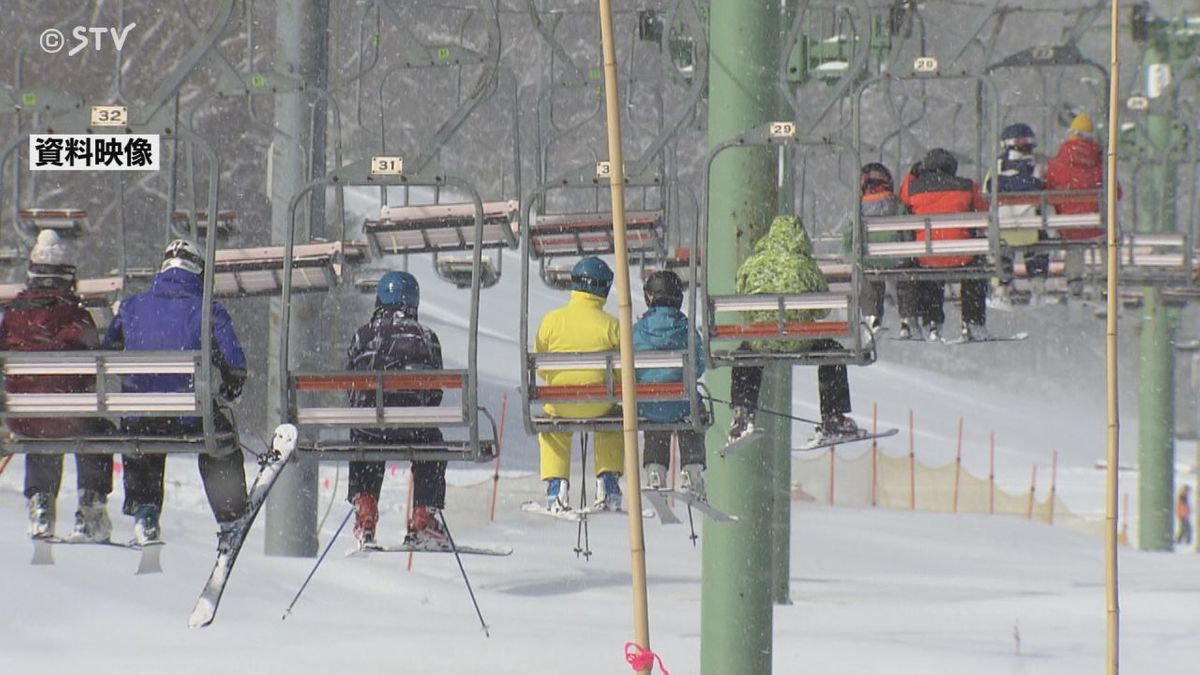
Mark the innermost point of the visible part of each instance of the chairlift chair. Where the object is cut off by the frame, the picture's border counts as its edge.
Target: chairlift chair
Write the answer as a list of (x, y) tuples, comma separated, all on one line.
[(444, 228), (549, 238), (537, 394), (726, 326), (920, 230), (64, 222), (316, 266), (106, 401), (574, 235), (184, 223), (318, 401)]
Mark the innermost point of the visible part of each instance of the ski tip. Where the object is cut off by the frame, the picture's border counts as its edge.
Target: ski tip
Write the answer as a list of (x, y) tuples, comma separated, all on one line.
[(741, 442), (202, 616)]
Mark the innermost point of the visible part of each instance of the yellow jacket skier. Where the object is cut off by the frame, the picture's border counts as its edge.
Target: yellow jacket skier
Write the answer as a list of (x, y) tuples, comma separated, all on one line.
[(581, 325)]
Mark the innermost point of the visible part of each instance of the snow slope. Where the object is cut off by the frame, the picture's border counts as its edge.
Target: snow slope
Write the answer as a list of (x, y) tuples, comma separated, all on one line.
[(873, 592)]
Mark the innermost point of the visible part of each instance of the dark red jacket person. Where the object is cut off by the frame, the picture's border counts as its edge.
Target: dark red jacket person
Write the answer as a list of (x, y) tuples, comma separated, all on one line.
[(47, 316), (1079, 165), (936, 189)]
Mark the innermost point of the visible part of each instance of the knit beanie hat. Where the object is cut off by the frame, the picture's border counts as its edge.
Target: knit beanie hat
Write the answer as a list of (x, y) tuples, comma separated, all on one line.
[(1081, 125), (50, 258)]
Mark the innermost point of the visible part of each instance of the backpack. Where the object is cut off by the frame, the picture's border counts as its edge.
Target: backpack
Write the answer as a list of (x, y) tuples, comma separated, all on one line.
[(395, 343)]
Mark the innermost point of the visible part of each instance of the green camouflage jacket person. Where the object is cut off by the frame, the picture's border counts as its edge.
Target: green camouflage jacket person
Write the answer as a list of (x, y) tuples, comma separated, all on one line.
[(782, 262)]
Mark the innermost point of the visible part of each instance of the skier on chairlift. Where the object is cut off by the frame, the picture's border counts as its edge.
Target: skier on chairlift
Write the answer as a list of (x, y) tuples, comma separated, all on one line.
[(1078, 165), (47, 315), (167, 318), (664, 327), (936, 189), (782, 262), (581, 325), (1017, 170), (394, 339), (879, 199)]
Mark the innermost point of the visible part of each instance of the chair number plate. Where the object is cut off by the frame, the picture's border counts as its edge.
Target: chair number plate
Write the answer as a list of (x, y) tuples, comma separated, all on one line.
[(386, 165), (783, 130), (109, 116), (925, 64), (604, 169)]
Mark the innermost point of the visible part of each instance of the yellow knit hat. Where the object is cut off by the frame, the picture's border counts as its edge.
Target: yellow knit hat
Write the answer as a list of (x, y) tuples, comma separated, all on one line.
[(1082, 124)]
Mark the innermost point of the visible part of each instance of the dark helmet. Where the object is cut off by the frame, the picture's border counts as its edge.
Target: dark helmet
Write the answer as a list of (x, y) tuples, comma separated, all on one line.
[(1019, 136), (939, 161), (875, 175), (398, 288), (184, 255), (592, 275), (664, 288)]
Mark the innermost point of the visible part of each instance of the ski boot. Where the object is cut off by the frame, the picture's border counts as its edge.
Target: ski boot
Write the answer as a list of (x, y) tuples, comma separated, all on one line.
[(226, 536), (974, 331), (41, 516), (91, 520), (836, 427), (425, 529), (145, 524), (655, 473), (557, 498), (608, 492), (691, 481), (934, 332), (366, 517)]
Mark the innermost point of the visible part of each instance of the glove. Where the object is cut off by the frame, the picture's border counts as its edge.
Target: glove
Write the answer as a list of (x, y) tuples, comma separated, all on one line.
[(231, 391)]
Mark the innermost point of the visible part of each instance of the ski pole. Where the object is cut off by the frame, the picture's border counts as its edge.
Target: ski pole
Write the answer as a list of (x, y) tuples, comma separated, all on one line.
[(581, 531), (313, 571), (499, 445), (467, 581), (764, 410)]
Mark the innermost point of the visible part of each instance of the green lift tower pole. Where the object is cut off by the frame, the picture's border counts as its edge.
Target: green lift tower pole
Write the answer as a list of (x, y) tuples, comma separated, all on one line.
[(736, 625), (779, 429), (301, 28), (1156, 388)]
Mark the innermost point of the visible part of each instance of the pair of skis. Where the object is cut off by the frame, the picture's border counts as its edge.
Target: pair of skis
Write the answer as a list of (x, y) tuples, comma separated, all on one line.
[(657, 498), (148, 561), (283, 447), (814, 443), (1016, 337), (405, 547)]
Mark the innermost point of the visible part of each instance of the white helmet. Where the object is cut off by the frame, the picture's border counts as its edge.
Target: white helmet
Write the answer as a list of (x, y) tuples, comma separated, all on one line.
[(50, 258), (183, 254)]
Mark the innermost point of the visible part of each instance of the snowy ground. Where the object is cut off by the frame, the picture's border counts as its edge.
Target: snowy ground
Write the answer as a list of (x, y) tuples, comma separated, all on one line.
[(874, 592)]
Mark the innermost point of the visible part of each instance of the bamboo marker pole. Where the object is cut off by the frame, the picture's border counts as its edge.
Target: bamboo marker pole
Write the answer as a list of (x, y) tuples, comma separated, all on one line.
[(1032, 493), (912, 464), (1053, 482), (875, 455), (633, 479), (992, 472), (957, 464), (1112, 652)]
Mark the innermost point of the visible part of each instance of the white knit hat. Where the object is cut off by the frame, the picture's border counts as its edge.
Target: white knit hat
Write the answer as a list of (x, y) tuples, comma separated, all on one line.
[(49, 250), (50, 262)]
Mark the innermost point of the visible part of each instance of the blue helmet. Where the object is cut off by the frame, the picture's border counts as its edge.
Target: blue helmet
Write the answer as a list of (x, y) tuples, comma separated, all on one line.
[(592, 275), (1019, 135), (398, 288)]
